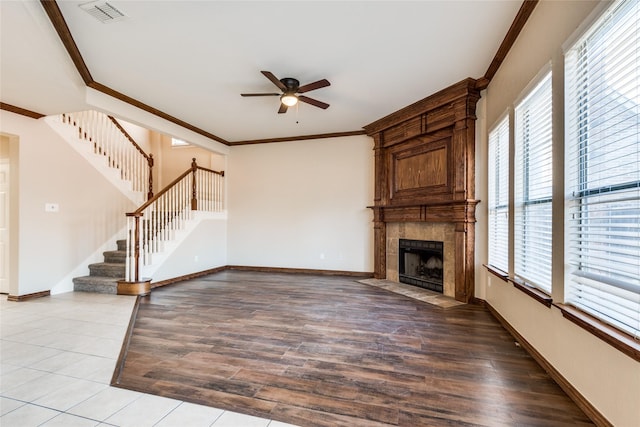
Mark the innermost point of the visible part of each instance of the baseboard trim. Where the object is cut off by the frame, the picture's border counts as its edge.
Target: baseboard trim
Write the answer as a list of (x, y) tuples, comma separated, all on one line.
[(186, 277), (26, 297), (301, 271), (478, 301), (564, 384)]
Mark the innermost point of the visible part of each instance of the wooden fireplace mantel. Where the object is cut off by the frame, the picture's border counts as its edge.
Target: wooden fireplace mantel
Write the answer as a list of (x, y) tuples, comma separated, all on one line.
[(425, 172)]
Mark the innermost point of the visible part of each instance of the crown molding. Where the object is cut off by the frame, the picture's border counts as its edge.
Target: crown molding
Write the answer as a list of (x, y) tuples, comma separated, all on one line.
[(61, 27), (57, 20), (510, 38), (298, 138), (21, 111)]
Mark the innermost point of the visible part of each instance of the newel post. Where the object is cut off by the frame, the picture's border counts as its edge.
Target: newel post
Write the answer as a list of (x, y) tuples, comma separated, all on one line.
[(135, 286), (194, 197), (150, 163), (134, 242)]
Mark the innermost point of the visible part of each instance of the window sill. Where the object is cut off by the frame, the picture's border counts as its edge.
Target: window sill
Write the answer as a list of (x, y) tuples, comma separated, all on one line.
[(497, 272), (612, 336), (534, 293)]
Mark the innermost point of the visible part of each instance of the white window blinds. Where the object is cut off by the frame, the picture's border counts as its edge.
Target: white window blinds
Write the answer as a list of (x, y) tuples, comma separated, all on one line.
[(533, 186), (499, 196), (603, 169)]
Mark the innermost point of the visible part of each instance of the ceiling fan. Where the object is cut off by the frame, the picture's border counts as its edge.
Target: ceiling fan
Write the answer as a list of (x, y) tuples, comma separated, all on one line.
[(291, 89)]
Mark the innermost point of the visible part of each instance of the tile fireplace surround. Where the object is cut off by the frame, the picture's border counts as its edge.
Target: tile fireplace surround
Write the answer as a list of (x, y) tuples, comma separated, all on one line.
[(439, 232)]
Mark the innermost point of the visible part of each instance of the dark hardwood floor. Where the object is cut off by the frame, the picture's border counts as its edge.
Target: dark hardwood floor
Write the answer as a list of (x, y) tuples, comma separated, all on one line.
[(329, 351)]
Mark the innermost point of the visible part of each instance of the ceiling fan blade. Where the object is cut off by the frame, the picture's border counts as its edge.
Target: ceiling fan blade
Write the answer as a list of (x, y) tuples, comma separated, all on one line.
[(260, 94), (313, 102), (283, 109), (274, 80), (314, 86)]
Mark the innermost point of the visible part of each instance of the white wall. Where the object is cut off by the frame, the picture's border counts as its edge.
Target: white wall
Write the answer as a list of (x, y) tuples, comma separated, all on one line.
[(91, 210), (173, 161), (140, 135), (302, 204), (606, 377), (204, 248)]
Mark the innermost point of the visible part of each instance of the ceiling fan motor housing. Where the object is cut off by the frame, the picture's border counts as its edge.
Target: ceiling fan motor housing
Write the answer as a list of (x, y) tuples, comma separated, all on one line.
[(291, 84)]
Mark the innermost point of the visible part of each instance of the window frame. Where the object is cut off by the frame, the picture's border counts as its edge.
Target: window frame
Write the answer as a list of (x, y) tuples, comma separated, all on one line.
[(522, 179), (579, 190), (179, 143), (495, 171)]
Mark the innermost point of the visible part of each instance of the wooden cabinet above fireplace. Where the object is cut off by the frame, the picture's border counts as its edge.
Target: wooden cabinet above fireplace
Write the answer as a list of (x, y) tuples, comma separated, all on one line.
[(425, 152), (425, 171)]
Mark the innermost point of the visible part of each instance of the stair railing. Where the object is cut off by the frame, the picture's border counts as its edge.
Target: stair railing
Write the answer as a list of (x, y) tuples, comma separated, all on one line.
[(156, 221), (110, 139)]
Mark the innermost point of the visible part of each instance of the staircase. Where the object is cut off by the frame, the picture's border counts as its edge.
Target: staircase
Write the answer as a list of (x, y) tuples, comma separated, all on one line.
[(103, 276), (107, 146), (161, 222)]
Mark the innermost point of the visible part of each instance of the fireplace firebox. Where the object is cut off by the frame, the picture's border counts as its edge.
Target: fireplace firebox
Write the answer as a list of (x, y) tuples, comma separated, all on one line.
[(421, 263)]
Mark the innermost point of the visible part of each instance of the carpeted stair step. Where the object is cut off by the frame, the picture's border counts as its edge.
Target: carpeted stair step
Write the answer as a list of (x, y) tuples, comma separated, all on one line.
[(107, 269), (115, 257), (103, 276), (102, 285)]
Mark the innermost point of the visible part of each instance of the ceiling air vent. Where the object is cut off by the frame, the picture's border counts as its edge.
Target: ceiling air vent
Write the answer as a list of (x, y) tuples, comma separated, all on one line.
[(102, 11)]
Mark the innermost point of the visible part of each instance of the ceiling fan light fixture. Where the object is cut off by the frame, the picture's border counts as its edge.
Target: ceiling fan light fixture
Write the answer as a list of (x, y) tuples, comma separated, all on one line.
[(290, 88), (289, 99)]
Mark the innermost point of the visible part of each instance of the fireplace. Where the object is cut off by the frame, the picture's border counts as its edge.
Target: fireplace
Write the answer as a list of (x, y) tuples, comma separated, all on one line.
[(420, 263), (425, 186)]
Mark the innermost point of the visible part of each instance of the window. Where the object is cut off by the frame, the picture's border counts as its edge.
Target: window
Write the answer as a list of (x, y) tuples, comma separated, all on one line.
[(533, 186), (175, 142), (603, 169), (499, 196)]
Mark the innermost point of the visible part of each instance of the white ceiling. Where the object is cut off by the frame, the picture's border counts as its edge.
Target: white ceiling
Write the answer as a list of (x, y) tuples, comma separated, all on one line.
[(192, 59)]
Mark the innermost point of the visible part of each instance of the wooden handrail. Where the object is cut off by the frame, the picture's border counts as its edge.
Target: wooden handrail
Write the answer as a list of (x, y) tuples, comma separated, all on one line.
[(149, 157), (111, 140), (221, 173), (165, 212), (126, 134), (158, 195), (192, 169)]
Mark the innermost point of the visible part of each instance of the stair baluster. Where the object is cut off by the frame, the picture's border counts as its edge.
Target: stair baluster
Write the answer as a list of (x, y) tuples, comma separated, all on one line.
[(157, 220), (109, 139)]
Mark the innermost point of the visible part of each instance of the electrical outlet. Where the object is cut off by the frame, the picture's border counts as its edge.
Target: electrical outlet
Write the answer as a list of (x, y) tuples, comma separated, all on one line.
[(51, 207), (195, 258)]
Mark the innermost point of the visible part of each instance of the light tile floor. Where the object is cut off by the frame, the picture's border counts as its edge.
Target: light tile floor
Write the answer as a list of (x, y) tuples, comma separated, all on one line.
[(57, 356)]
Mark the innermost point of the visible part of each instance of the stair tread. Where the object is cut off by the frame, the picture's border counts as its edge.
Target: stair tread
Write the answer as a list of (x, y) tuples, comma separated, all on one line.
[(96, 284), (96, 279), (106, 267), (108, 264), (115, 258)]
